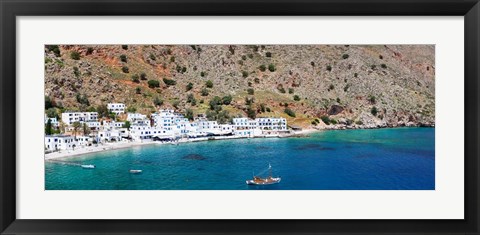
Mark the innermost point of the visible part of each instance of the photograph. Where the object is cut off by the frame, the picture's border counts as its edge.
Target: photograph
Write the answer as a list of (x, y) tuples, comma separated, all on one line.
[(239, 117)]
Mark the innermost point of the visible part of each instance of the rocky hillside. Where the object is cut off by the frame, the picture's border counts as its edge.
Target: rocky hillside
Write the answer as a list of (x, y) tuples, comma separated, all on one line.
[(311, 85)]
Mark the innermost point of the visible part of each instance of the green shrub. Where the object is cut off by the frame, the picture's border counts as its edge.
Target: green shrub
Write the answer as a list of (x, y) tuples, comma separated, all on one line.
[(189, 86), (296, 98), (355, 74), (76, 72), (75, 55), (191, 98), (55, 49), (138, 90), (345, 56), (123, 58), (373, 67), (325, 119), (244, 74), (250, 56), (152, 56), (209, 84), (290, 90), (374, 111), (251, 112), (153, 83), (204, 92), (268, 109), (329, 68), (202, 74), (169, 82), (268, 54), (189, 114), (125, 47), (172, 59), (289, 112), (89, 50), (143, 76), (333, 121), (384, 66), (262, 68), (272, 68), (135, 78), (125, 69), (281, 89), (82, 99), (359, 122), (157, 101), (227, 99), (256, 80), (244, 57), (331, 87), (372, 99), (250, 91)]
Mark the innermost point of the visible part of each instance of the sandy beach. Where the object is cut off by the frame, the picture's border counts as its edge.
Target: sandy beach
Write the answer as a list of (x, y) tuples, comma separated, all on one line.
[(121, 145)]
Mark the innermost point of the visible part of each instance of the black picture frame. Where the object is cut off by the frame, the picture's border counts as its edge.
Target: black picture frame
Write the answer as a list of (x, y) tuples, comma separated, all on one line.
[(10, 9)]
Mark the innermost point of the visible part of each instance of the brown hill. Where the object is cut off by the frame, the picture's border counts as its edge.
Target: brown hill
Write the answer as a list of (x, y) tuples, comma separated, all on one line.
[(368, 85)]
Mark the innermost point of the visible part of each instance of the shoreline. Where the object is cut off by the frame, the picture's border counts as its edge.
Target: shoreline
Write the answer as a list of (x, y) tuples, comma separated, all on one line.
[(80, 151)]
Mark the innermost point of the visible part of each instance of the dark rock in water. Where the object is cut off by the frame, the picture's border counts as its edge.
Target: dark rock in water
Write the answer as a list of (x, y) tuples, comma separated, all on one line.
[(262, 147), (194, 157), (313, 147)]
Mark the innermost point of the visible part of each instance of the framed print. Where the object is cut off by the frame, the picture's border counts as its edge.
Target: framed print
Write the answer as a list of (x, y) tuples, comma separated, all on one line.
[(241, 117)]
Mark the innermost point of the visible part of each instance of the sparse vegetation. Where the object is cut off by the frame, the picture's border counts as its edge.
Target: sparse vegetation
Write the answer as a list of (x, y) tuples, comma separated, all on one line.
[(289, 112), (143, 76), (204, 92), (55, 49), (125, 47), (290, 91), (123, 58), (189, 86), (268, 54), (125, 69), (76, 72), (153, 83), (272, 68), (384, 66), (329, 68), (296, 98), (135, 78), (250, 91), (262, 68), (157, 101), (227, 99), (244, 74), (374, 111), (74, 55), (209, 84), (345, 56), (169, 82), (325, 119)]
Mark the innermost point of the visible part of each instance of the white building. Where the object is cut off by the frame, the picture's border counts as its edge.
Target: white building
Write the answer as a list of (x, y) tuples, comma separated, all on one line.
[(113, 124), (93, 125), (70, 117), (131, 117), (60, 142), (84, 141), (272, 124), (116, 108), (53, 121), (244, 124)]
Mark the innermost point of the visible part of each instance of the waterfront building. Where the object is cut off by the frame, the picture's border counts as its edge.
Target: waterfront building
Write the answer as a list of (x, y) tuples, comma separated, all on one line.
[(117, 108), (59, 142), (272, 125), (244, 124), (70, 117), (84, 141)]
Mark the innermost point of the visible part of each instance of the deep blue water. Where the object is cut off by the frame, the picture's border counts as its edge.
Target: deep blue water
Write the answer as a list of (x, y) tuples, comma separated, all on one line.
[(377, 159)]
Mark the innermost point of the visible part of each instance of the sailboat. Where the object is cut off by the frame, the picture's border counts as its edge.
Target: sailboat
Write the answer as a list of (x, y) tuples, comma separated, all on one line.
[(257, 180)]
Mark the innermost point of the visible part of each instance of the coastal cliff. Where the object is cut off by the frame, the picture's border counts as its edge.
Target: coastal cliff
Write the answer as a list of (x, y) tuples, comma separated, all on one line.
[(313, 86)]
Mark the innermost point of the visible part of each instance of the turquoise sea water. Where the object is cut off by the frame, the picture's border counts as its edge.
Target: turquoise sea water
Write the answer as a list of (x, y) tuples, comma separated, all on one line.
[(377, 159)]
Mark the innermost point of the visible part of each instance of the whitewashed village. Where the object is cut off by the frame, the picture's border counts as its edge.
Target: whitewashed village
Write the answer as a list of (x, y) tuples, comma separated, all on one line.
[(80, 132)]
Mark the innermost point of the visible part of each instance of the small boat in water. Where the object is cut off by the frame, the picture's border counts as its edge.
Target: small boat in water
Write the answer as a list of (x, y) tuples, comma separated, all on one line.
[(88, 166), (257, 180), (135, 171)]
